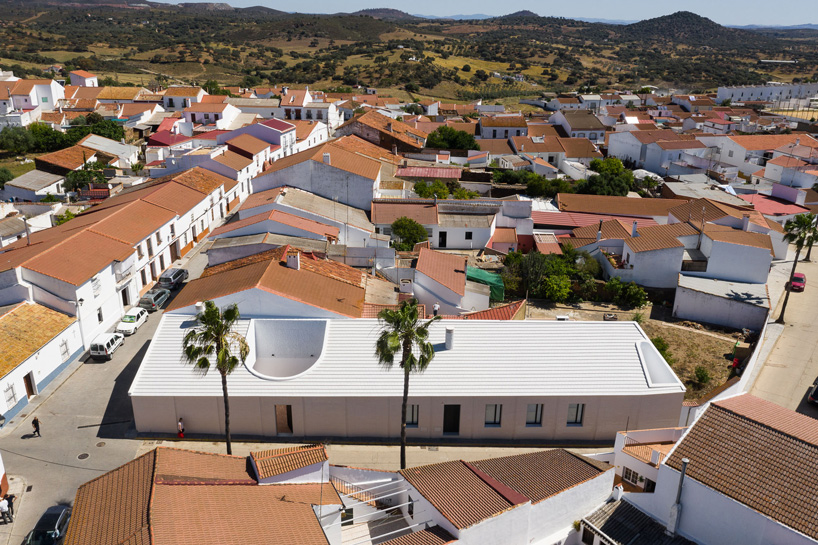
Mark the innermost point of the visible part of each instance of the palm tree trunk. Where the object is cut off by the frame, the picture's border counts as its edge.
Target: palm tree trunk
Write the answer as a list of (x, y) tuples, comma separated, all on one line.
[(403, 418), (226, 414), (789, 287), (809, 251)]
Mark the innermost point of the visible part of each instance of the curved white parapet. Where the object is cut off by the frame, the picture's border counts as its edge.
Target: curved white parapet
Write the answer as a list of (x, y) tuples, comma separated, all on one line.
[(657, 370), (286, 349)]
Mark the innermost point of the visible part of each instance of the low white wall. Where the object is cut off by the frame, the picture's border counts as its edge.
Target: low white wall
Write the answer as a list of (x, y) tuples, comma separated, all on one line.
[(704, 307)]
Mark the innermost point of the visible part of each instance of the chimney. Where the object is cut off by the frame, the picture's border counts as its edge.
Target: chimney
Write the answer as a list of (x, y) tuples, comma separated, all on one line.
[(676, 508), (617, 493), (449, 338), (28, 233), (599, 232), (284, 91), (327, 159), (389, 126), (294, 260), (634, 231), (745, 222)]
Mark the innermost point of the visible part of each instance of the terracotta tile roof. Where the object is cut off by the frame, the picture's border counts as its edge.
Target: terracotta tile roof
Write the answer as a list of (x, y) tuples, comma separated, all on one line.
[(508, 311), (25, 86), (449, 270), (83, 74), (213, 99), (68, 159), (133, 222), (170, 496), (775, 226), (119, 93), (770, 206), (788, 162), (542, 474), (26, 329), (87, 93), (579, 148), (627, 525), (5, 89), (363, 147), (614, 229), (284, 218), (729, 235), (644, 451), (279, 125), (181, 91), (261, 198), (270, 463), (680, 144), (504, 121), (339, 158), (550, 144), (131, 110), (200, 179), (388, 212), (542, 129), (233, 160), (615, 206), (371, 310), (173, 196), (738, 443), (248, 143), (205, 107), (547, 243), (79, 257), (57, 118), (505, 235), (394, 128), (457, 492), (429, 172), (579, 219), (430, 536), (323, 284), (772, 141), (660, 237), (495, 146)]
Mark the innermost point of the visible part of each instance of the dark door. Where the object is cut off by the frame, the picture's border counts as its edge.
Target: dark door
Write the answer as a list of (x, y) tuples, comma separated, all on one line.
[(451, 419), (441, 239), (284, 419), (174, 251), (125, 300), (29, 382)]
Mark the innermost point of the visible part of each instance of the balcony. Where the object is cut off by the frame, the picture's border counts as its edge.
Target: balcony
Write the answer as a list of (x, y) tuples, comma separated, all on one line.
[(124, 275)]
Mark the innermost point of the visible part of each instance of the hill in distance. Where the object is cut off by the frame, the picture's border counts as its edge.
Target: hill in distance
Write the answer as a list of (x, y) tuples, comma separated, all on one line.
[(387, 14)]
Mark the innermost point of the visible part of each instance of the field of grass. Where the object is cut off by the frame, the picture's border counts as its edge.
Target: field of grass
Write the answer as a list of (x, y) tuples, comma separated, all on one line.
[(11, 162)]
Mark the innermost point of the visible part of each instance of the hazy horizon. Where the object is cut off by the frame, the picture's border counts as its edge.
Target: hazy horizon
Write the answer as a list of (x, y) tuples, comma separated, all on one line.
[(749, 12)]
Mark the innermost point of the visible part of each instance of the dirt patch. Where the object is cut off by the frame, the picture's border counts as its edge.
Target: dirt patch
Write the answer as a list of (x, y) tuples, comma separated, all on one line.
[(690, 344)]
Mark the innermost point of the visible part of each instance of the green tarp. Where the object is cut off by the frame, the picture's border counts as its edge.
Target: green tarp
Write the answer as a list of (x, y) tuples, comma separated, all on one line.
[(492, 280)]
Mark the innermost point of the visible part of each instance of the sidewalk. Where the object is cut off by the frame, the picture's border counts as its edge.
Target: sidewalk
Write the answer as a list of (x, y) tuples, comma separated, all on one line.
[(17, 487)]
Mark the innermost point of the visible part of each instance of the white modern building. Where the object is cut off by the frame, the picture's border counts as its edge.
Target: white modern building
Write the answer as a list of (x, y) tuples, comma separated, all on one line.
[(490, 380)]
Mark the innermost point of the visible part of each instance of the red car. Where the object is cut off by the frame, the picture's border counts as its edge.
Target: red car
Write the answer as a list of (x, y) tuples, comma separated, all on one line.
[(799, 282)]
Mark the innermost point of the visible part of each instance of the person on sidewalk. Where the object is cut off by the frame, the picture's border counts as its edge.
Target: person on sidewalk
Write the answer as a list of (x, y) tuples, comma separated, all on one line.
[(10, 498), (435, 308), (4, 511), (36, 425), (180, 429)]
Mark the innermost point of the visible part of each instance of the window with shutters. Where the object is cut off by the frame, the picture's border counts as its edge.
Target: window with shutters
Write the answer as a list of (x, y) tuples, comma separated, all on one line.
[(64, 353), (11, 396), (96, 285)]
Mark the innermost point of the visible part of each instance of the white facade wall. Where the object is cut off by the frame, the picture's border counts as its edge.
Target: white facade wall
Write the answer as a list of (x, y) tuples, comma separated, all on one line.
[(379, 417), (625, 147), (735, 263), (348, 235), (269, 226), (323, 180), (710, 517), (658, 160), (770, 93), (258, 303), (14, 193), (655, 269), (428, 291), (704, 307)]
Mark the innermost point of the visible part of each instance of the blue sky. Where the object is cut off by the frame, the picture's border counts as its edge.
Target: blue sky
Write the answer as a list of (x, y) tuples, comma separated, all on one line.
[(726, 12)]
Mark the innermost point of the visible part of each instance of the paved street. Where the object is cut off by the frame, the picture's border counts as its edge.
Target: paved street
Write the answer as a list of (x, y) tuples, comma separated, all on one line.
[(792, 365)]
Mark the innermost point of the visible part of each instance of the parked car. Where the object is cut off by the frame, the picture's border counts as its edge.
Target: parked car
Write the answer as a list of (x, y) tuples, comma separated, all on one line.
[(50, 529), (813, 394), (132, 321), (799, 282), (154, 299), (105, 345), (172, 278), (610, 317)]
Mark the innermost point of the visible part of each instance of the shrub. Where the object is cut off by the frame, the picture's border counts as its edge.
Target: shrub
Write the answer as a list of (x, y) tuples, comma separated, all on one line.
[(426, 190), (5, 176), (409, 232), (702, 375), (638, 317), (664, 348)]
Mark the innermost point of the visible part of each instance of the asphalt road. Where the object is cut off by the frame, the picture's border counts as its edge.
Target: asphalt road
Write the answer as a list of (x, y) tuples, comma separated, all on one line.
[(85, 412), (792, 366)]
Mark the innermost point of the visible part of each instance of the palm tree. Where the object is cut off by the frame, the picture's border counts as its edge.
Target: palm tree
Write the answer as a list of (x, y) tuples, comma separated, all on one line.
[(811, 239), (214, 336), (798, 231), (404, 332)]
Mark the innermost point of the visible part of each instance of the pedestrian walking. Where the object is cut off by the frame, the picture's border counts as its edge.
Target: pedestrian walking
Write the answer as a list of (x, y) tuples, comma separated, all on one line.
[(10, 498), (435, 308), (4, 511), (180, 429), (36, 425)]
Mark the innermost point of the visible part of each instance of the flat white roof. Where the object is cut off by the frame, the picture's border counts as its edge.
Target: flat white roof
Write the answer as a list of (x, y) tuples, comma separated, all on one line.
[(752, 294), (489, 358)]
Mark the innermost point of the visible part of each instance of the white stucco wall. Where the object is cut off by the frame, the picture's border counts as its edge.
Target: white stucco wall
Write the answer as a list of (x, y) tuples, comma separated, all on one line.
[(703, 307), (258, 303)]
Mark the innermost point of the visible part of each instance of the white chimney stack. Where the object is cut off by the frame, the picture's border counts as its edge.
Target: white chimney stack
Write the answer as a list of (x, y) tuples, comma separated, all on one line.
[(599, 232), (449, 338), (634, 231), (389, 126), (745, 222), (294, 260), (327, 159)]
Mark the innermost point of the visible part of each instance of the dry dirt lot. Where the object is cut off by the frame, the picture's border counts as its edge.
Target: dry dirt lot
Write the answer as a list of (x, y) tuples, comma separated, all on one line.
[(690, 345)]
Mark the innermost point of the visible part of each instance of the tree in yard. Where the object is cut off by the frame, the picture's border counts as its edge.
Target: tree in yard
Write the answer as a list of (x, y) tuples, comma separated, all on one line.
[(88, 174), (445, 137), (436, 189), (556, 288), (16, 140), (409, 232), (109, 129), (611, 178), (5, 176), (213, 336), (406, 334), (798, 231), (62, 218)]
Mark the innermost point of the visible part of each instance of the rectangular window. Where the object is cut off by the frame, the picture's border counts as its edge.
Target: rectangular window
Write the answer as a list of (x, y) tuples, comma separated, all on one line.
[(587, 536), (575, 411), (140, 253), (170, 103), (96, 285), (533, 415), (630, 475), (99, 314), (45, 100), (346, 517), (410, 509), (493, 415), (158, 238), (64, 353), (412, 416), (144, 278), (11, 396), (730, 153), (468, 235), (172, 230)]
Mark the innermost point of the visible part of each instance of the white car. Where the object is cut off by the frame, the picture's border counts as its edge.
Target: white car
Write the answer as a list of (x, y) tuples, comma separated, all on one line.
[(132, 321), (105, 345)]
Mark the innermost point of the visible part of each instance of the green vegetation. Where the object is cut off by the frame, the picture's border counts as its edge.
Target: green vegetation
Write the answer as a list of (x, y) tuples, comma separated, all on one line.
[(664, 348), (62, 218), (702, 375), (41, 138), (5, 176), (557, 278), (408, 232), (88, 174), (801, 231), (440, 190), (536, 185), (445, 137), (612, 178), (627, 295)]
